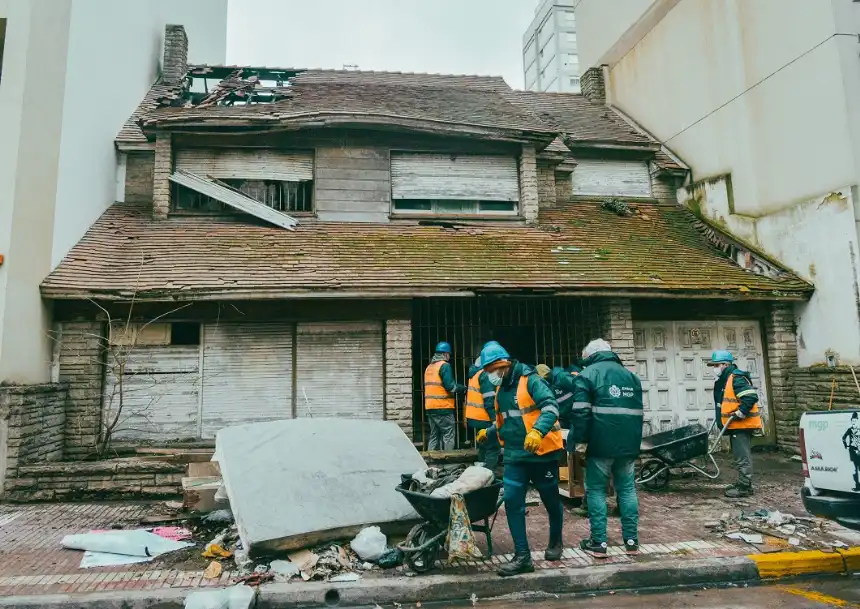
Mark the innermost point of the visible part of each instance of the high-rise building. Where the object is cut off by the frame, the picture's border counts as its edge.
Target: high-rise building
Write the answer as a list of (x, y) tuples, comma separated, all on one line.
[(550, 60)]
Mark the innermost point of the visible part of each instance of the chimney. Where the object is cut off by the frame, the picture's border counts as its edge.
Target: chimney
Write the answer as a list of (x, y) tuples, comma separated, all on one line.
[(593, 85), (175, 64)]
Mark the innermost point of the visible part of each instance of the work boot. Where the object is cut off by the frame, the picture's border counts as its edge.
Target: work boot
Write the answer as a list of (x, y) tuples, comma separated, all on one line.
[(554, 552), (597, 550), (520, 564), (631, 546), (738, 491)]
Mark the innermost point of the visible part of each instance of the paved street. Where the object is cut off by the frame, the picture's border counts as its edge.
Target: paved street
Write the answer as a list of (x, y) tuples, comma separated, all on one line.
[(844, 593)]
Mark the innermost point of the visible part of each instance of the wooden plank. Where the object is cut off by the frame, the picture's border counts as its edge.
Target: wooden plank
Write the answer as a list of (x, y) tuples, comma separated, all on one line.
[(357, 185), (379, 154), (333, 163), (324, 196), (338, 173), (353, 216)]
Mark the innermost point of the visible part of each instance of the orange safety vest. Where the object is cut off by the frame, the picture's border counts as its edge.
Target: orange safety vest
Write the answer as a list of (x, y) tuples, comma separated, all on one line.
[(436, 397), (530, 413), (475, 410), (731, 403)]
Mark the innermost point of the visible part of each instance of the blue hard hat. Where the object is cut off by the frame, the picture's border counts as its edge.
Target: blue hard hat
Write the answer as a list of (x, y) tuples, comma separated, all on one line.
[(493, 352), (442, 347), (721, 357)]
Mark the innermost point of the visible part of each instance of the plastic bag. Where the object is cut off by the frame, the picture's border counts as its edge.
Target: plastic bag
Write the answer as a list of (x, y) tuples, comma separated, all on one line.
[(461, 539), (392, 558), (369, 544), (237, 597)]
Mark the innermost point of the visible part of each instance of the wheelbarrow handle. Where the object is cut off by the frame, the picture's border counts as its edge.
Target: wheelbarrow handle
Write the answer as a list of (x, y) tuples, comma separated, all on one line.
[(731, 418)]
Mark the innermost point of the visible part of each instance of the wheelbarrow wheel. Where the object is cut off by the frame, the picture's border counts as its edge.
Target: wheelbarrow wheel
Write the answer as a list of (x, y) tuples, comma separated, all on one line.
[(423, 560), (660, 481)]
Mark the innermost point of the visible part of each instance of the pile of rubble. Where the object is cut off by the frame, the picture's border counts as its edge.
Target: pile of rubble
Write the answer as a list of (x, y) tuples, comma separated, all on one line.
[(775, 531)]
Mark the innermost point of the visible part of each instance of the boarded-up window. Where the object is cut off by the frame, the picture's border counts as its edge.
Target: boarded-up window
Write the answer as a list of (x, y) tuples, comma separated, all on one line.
[(444, 179), (611, 178), (283, 180)]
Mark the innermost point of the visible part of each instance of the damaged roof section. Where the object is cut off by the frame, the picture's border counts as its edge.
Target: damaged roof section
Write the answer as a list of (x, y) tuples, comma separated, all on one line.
[(582, 248)]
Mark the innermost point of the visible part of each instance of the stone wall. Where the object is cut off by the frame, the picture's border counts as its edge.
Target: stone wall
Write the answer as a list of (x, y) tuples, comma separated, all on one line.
[(593, 86), (161, 176), (81, 357), (529, 199), (812, 388), (139, 167), (563, 185), (546, 184), (398, 373), (112, 479), (616, 319), (780, 337), (34, 418)]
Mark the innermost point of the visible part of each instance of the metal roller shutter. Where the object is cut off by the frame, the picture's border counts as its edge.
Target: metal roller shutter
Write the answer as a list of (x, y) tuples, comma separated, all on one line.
[(612, 178), (160, 392), (339, 370), (247, 374), (247, 164), (445, 176)]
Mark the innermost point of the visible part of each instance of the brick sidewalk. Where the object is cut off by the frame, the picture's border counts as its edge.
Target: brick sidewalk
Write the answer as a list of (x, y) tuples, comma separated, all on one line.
[(672, 524)]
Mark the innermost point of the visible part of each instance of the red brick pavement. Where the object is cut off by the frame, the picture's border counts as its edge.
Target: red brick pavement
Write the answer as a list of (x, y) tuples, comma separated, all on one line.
[(672, 524)]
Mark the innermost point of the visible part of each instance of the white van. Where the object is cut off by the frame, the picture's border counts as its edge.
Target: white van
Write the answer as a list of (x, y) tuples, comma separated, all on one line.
[(830, 449)]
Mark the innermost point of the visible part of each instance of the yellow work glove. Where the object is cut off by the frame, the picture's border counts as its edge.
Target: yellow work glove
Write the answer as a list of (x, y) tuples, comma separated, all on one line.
[(481, 437), (533, 440)]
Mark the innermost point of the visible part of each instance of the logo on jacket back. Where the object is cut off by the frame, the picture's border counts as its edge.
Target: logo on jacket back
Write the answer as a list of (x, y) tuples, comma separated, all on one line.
[(615, 391)]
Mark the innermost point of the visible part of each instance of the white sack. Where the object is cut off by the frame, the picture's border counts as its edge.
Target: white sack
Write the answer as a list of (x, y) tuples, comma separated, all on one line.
[(472, 479)]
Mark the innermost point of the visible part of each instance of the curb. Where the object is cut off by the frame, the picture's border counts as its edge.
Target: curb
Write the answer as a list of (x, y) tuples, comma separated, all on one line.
[(598, 578)]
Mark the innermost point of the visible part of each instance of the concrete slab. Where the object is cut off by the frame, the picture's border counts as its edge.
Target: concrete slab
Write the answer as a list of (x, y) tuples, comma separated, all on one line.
[(297, 483)]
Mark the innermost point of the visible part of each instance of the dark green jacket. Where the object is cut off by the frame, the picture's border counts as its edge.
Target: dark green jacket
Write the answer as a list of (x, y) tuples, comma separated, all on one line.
[(448, 381), (741, 384), (561, 381), (513, 431), (488, 391), (607, 408)]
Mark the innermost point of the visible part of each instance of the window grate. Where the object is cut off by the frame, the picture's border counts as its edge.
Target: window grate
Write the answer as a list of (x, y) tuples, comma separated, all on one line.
[(279, 195)]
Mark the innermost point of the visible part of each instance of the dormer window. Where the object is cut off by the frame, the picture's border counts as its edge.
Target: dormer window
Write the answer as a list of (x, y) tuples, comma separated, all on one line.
[(451, 184)]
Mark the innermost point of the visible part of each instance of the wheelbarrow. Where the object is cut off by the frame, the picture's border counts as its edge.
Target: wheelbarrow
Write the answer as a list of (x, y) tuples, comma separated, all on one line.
[(677, 449), (425, 540)]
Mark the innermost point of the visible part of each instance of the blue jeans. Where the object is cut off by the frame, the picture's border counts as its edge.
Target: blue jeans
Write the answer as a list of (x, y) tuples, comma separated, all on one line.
[(597, 475), (489, 451), (544, 476)]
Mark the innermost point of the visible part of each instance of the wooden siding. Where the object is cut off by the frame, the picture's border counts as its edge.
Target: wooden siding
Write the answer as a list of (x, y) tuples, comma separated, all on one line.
[(611, 178), (352, 184), (464, 177)]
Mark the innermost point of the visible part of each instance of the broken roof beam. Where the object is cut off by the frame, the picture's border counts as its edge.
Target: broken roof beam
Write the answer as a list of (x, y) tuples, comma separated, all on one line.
[(233, 198)]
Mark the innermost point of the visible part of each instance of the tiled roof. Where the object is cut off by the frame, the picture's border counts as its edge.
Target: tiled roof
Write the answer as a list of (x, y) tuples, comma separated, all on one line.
[(130, 132), (436, 104), (408, 79), (578, 118), (577, 246)]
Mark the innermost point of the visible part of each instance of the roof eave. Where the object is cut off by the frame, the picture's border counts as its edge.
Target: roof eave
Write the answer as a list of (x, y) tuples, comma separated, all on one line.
[(574, 144)]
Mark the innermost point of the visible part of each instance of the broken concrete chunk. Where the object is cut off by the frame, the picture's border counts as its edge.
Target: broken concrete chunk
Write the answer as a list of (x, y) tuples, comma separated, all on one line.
[(303, 482), (237, 597)]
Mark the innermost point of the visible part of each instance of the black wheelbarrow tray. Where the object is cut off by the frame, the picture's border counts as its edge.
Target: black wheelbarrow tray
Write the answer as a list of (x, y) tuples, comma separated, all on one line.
[(678, 449), (424, 541)]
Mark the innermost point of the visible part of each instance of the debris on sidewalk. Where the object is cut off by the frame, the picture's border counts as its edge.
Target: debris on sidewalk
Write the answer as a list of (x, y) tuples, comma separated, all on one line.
[(369, 544), (771, 530), (284, 570), (109, 548), (213, 571), (342, 486)]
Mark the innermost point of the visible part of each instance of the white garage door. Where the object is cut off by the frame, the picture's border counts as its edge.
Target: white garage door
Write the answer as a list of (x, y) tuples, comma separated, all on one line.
[(339, 370), (247, 374), (671, 361)]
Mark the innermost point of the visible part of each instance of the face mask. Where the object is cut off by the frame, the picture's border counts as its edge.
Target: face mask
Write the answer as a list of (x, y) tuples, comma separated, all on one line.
[(718, 371), (495, 378)]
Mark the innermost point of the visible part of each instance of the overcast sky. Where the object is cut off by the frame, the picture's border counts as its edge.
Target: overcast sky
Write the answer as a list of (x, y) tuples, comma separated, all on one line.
[(447, 36)]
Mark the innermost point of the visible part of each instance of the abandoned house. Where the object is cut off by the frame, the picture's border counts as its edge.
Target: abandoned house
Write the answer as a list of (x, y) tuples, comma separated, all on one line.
[(293, 243)]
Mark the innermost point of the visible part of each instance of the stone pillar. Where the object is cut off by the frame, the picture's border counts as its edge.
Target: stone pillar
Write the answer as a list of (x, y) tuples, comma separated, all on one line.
[(81, 359), (161, 176), (398, 373), (593, 85), (563, 185), (175, 63), (33, 418), (546, 185), (617, 322), (781, 339), (529, 200)]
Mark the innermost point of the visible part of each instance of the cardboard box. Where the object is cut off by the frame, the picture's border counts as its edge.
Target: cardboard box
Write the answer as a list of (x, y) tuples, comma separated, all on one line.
[(198, 494)]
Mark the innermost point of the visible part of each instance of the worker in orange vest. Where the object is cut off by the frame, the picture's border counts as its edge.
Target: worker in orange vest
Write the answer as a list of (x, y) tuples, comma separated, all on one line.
[(440, 389), (736, 401), (481, 412)]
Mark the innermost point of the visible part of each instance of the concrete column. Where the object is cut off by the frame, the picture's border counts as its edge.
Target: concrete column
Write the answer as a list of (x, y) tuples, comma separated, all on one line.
[(398, 373), (161, 176), (529, 200)]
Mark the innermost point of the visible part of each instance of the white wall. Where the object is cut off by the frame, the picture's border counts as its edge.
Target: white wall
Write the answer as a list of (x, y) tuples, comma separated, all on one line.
[(109, 85), (602, 24), (818, 240)]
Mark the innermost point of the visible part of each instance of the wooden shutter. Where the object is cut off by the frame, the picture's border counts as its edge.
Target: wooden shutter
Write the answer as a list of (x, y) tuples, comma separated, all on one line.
[(445, 176), (247, 164), (339, 370), (247, 374), (612, 178)]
